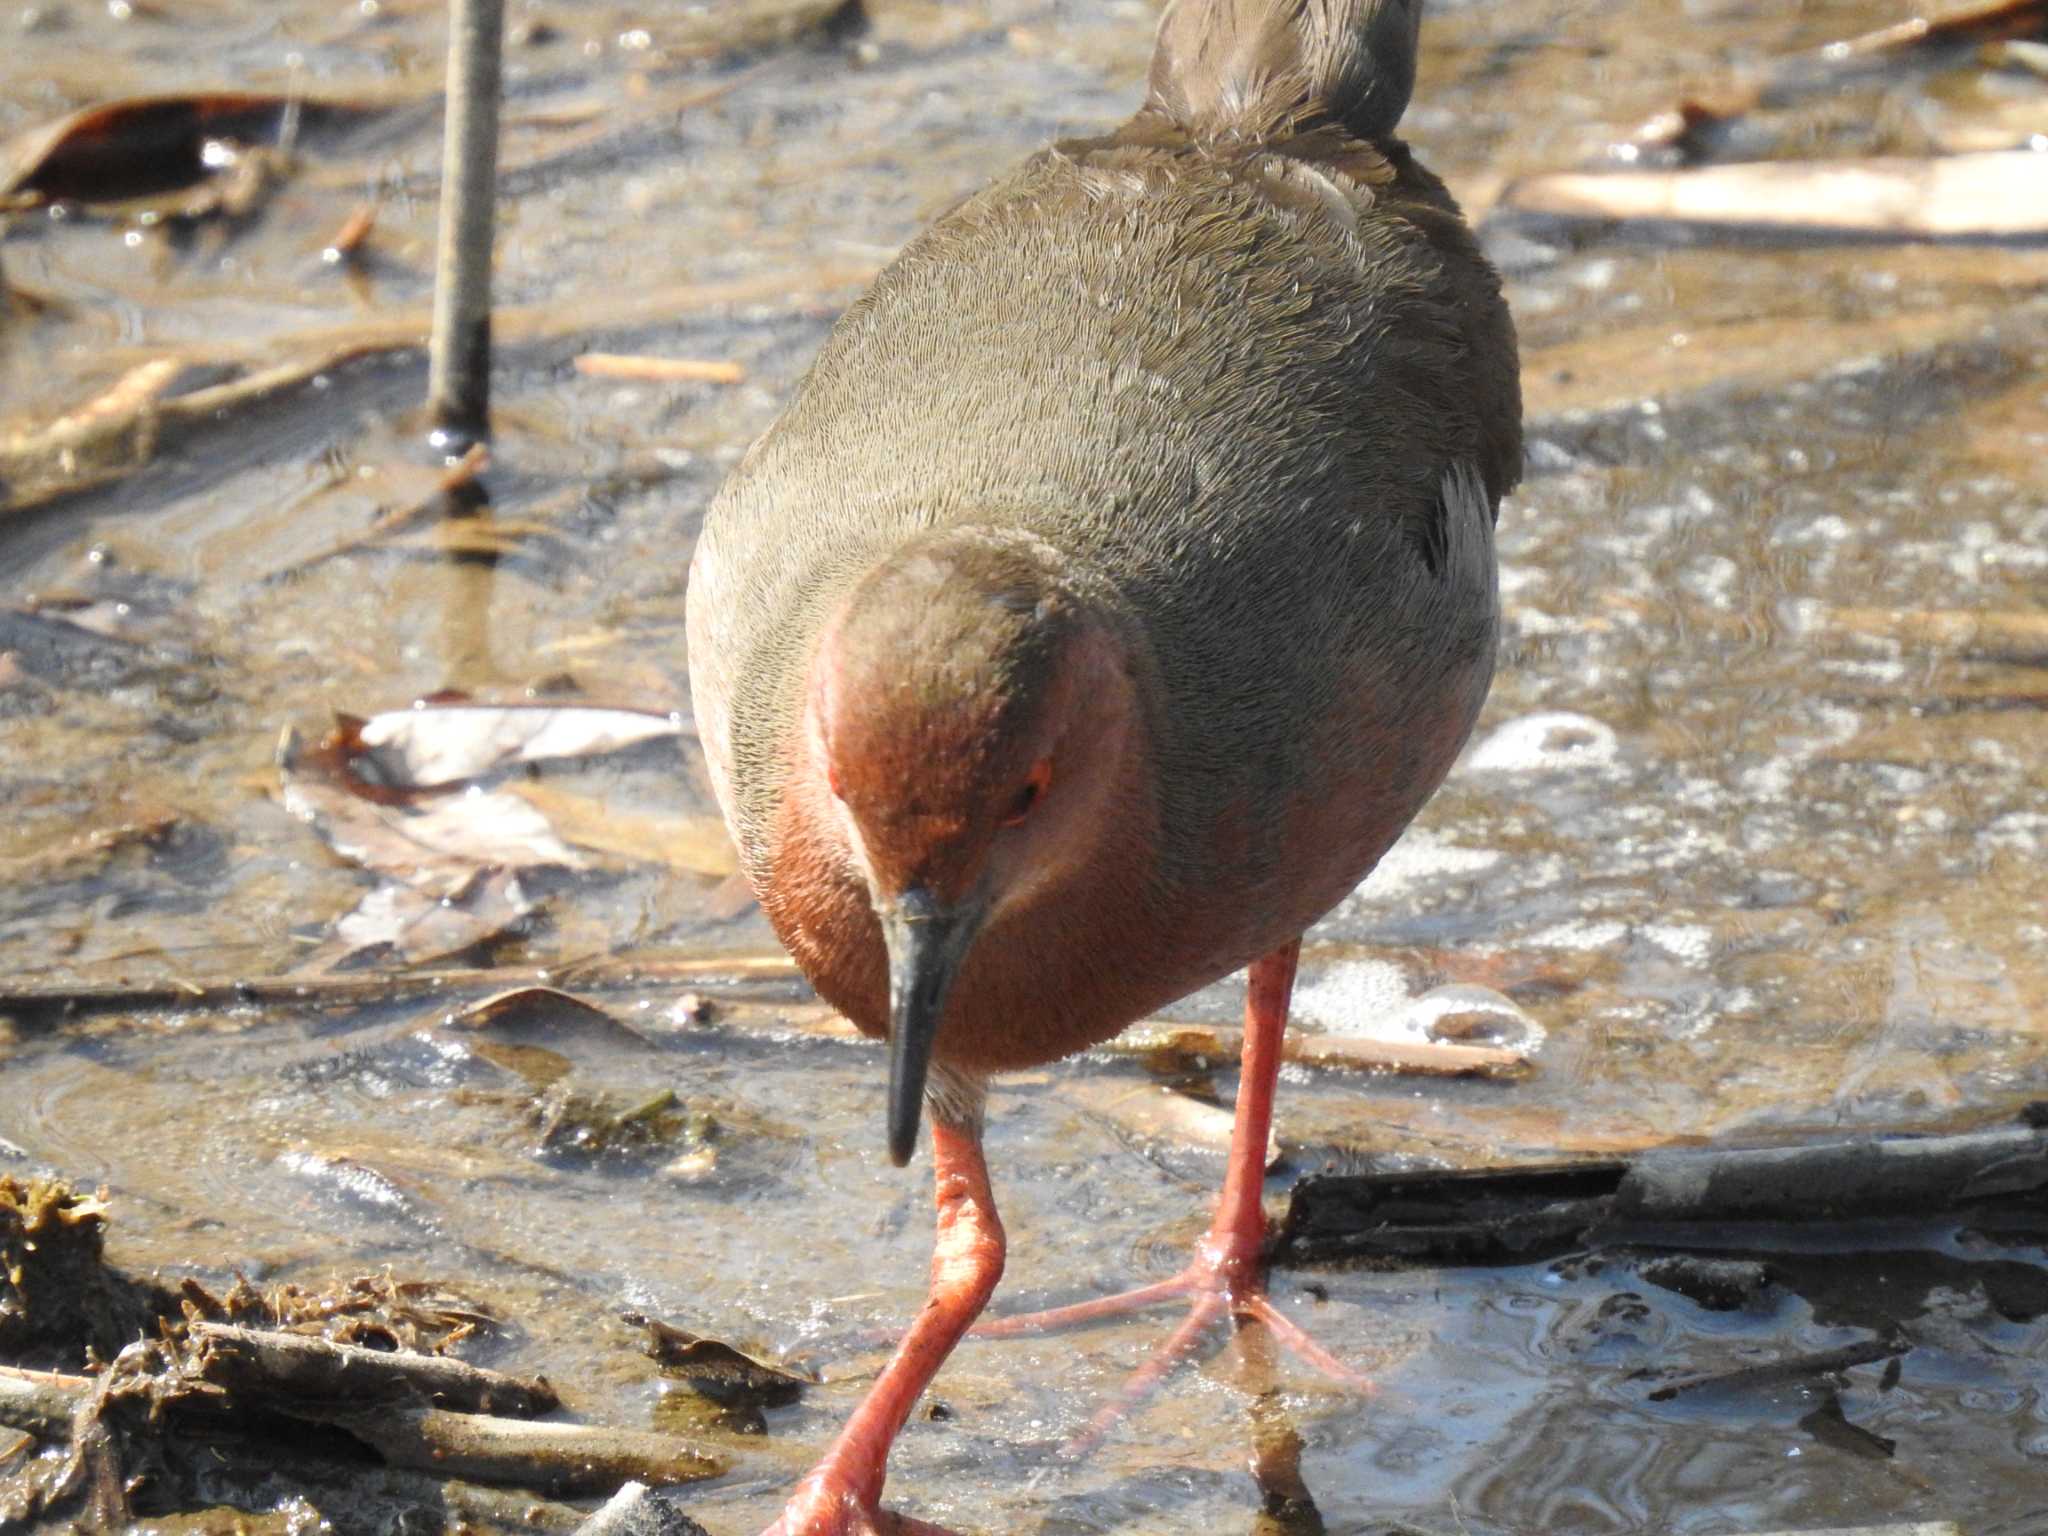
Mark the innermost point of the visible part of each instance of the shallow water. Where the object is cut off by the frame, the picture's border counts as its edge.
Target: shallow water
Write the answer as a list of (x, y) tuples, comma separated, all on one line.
[(1743, 855)]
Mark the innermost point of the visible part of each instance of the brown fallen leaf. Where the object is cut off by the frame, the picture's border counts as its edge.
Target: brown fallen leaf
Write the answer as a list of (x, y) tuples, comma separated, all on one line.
[(723, 1372), (1996, 195), (147, 145), (663, 370), (545, 1011), (445, 744)]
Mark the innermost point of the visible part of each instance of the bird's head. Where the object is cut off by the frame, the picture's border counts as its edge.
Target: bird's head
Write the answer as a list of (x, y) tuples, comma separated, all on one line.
[(972, 717)]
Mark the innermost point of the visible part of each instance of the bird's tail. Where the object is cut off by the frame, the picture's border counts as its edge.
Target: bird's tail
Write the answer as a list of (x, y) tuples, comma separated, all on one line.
[(1263, 69)]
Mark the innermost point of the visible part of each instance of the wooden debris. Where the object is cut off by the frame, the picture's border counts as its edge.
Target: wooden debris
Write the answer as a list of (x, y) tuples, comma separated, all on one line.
[(660, 370), (321, 992), (1157, 1039), (345, 248), (1971, 21), (563, 1458), (2008, 634), (1776, 1373), (1515, 1215), (556, 1458), (1995, 195), (290, 1365), (33, 471)]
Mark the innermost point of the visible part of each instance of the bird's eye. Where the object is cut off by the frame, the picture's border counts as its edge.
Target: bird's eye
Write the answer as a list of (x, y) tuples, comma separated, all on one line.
[(1030, 792)]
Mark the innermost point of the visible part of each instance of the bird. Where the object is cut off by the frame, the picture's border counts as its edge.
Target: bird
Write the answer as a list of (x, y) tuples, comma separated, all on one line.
[(1109, 595)]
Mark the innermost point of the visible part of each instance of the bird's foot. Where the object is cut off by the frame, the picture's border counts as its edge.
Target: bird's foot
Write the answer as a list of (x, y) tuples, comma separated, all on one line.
[(1225, 1275), (831, 1503)]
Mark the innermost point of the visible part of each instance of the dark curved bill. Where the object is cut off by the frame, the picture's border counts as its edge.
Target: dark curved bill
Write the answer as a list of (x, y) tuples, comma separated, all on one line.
[(926, 943)]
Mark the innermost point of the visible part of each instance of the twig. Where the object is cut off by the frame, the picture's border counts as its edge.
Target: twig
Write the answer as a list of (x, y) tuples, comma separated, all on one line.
[(455, 479), (1983, 196), (662, 370), (1792, 1368), (1997, 632), (296, 1366), (1419, 1058), (345, 249), (180, 996), (34, 470), (459, 355), (559, 1458), (1147, 1041)]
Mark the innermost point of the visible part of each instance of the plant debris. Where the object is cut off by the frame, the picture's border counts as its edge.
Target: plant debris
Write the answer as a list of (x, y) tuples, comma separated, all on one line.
[(244, 1374), (724, 1373), (1515, 1215), (57, 1297), (659, 370), (1992, 195), (373, 1311), (148, 145)]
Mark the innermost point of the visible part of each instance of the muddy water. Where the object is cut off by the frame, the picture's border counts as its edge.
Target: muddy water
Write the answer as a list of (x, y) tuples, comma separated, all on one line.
[(1735, 852)]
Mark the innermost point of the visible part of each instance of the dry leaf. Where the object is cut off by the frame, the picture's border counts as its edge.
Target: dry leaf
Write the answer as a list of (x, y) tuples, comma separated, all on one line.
[(542, 1010), (147, 144), (438, 848), (720, 1371), (445, 744)]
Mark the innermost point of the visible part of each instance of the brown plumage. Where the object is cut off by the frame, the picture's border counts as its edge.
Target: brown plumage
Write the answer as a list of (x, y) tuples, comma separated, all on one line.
[(1120, 580)]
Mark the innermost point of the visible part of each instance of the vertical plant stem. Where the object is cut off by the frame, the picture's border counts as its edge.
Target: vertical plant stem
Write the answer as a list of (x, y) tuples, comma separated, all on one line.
[(459, 363)]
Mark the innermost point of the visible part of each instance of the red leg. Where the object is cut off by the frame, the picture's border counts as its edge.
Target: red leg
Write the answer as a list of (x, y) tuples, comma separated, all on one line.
[(1225, 1273), (842, 1495)]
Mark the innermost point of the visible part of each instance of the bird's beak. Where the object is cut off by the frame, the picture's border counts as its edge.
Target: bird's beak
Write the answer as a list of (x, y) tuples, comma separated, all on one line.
[(926, 940)]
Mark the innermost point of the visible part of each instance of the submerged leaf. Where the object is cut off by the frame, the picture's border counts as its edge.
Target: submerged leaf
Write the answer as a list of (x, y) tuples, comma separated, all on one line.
[(401, 922), (723, 1372)]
